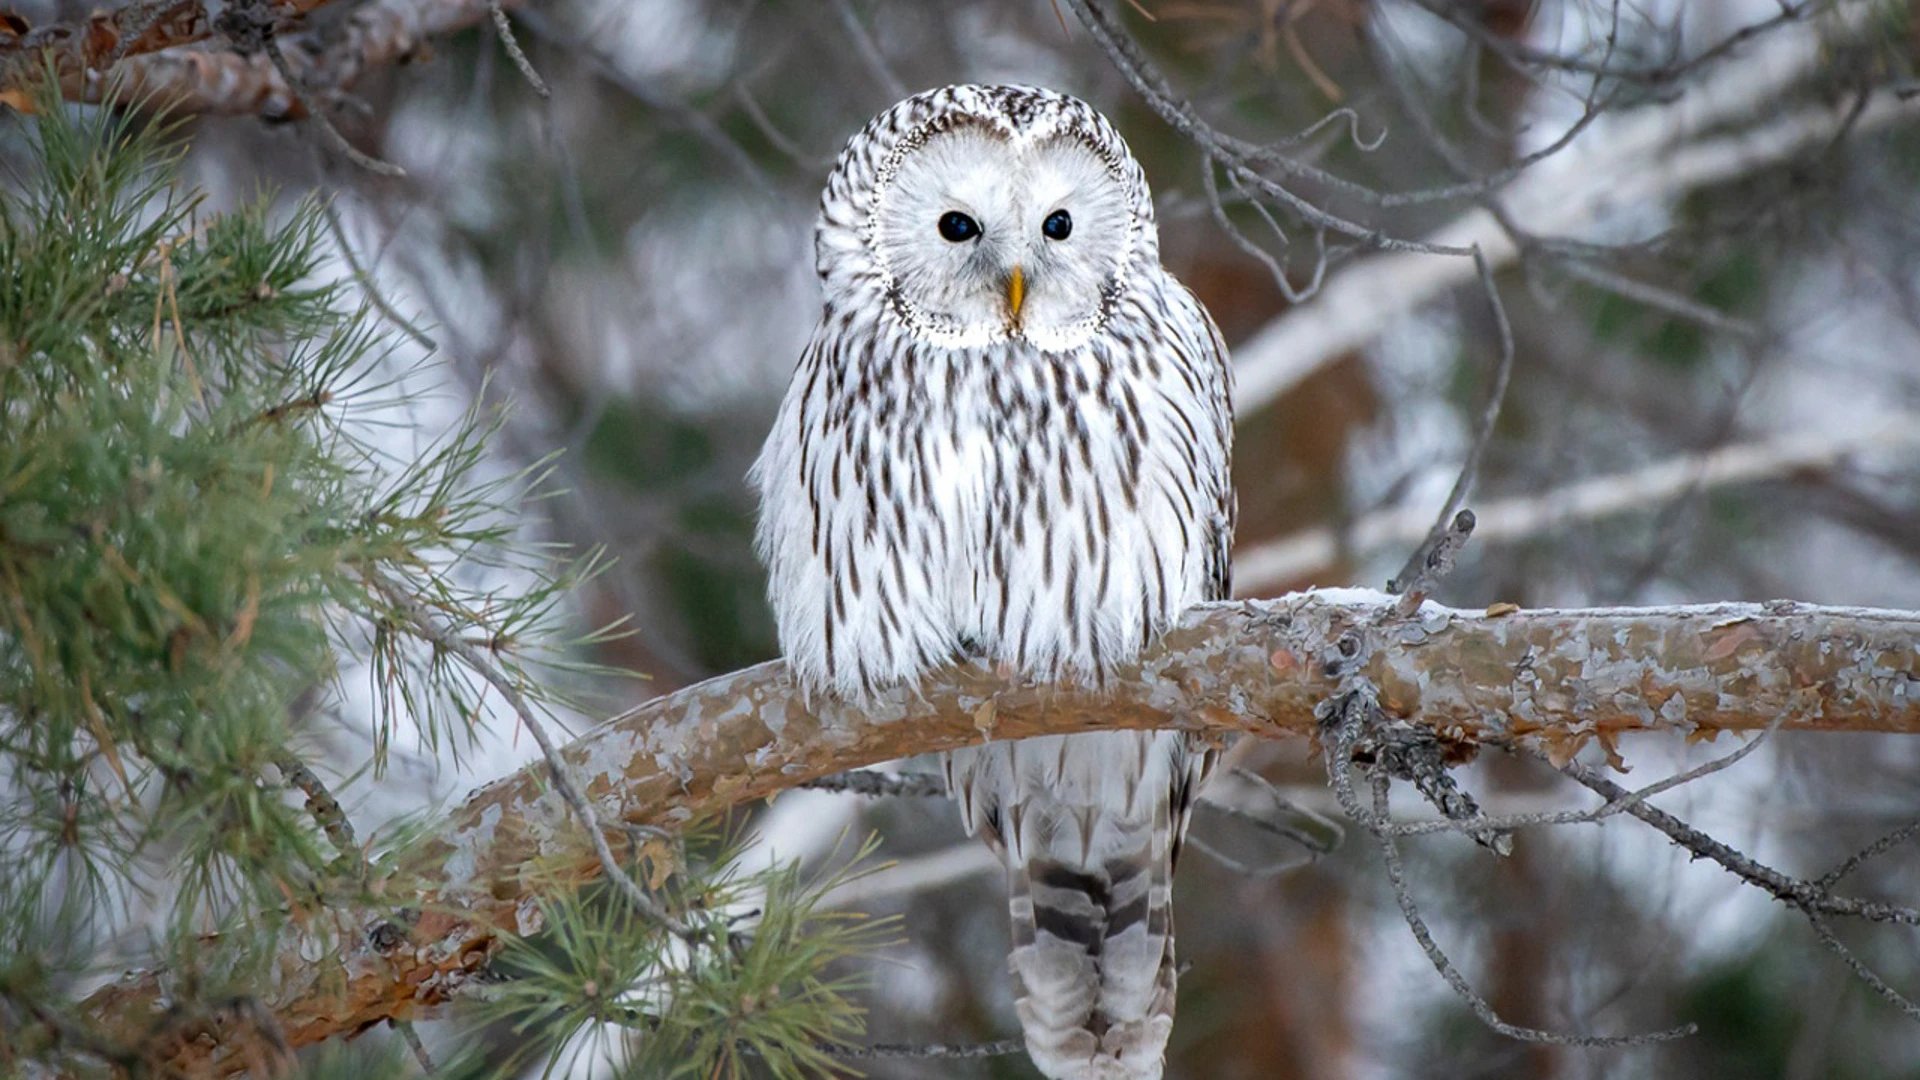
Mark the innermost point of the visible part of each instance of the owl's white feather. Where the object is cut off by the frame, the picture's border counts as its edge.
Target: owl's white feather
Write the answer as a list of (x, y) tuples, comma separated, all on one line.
[(1013, 444)]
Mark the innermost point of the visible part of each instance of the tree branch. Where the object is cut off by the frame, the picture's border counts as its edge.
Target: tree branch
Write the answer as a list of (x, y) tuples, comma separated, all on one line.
[(161, 65), (1302, 555), (1553, 678)]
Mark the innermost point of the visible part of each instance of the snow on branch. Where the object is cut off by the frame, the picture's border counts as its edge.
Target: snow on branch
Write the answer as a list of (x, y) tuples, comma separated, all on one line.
[(1552, 679)]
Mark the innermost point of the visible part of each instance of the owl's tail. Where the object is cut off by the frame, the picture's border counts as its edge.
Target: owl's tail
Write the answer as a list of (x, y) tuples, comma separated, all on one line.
[(1092, 960)]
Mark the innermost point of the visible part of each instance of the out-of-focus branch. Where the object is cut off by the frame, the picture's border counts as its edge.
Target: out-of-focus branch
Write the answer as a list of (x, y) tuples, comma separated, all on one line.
[(160, 64), (1299, 557), (1556, 678), (920, 873), (1653, 154), (97, 43)]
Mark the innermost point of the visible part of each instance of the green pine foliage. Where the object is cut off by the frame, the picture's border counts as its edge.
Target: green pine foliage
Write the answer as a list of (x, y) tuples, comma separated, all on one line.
[(173, 524), (196, 540), (772, 1000)]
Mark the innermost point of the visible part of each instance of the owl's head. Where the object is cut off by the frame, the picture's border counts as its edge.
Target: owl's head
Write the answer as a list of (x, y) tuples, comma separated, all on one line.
[(979, 214)]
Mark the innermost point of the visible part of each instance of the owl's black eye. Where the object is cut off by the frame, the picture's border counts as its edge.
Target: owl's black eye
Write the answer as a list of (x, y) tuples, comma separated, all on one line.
[(1058, 226), (958, 227)]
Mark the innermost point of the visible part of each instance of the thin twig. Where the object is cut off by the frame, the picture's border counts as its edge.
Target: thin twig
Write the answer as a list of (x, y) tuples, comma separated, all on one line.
[(1860, 970), (1653, 296), (1133, 64), (368, 286), (1241, 866), (1647, 155), (512, 44), (412, 1039), (1482, 434), (692, 120), (1312, 843), (321, 804), (776, 138), (1431, 564), (1246, 243), (424, 623), (931, 785), (1807, 896), (1598, 814), (869, 50), (1410, 914), (1871, 851), (331, 134), (1516, 53)]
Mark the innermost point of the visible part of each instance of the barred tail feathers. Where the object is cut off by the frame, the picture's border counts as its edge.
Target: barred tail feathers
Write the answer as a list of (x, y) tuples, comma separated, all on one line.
[(1089, 828), (1093, 965)]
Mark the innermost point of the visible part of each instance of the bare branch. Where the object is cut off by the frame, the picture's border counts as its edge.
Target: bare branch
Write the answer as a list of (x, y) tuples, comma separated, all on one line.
[(1860, 970), (1410, 912), (1652, 154), (303, 96), (1244, 157), (1519, 54), (1814, 899), (1808, 896), (1871, 851), (691, 120), (370, 288), (1667, 300)]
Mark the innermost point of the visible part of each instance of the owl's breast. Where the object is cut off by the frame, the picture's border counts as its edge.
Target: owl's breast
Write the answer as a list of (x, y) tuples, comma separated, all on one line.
[(1088, 510), (1052, 510)]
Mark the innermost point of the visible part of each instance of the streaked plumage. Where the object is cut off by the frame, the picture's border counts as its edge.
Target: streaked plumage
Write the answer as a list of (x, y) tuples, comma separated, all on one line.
[(1010, 441)]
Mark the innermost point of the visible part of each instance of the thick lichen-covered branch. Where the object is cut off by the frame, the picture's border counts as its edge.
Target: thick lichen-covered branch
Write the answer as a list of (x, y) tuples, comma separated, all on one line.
[(1557, 679)]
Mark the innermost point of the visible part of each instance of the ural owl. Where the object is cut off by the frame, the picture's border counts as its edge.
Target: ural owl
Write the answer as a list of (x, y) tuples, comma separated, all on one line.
[(1008, 441)]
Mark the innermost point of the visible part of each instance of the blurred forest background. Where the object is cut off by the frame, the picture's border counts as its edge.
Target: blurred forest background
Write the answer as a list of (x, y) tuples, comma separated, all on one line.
[(1714, 305)]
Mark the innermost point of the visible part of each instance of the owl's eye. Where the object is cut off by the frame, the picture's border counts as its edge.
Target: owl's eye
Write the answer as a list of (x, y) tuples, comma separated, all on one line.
[(1058, 226), (958, 227)]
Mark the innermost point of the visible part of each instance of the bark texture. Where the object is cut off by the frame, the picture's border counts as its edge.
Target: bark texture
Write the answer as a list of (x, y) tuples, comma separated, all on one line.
[(161, 53), (1557, 678)]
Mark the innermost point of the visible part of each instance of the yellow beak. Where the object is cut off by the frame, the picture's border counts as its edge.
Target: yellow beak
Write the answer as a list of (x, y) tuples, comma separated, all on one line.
[(1016, 292)]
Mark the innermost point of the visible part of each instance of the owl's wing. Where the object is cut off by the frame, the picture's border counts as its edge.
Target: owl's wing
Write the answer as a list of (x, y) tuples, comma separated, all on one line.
[(1203, 338), (1198, 337)]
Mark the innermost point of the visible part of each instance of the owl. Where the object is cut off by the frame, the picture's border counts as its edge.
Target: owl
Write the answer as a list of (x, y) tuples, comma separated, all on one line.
[(1008, 442)]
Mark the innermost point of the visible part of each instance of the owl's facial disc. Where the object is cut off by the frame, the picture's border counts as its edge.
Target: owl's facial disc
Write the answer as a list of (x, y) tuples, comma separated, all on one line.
[(988, 236)]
